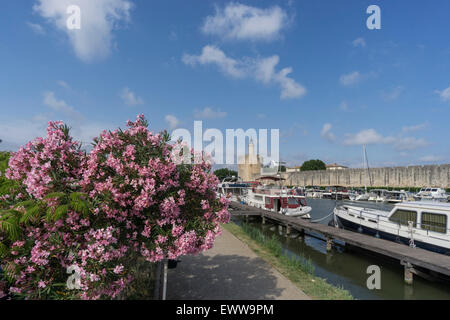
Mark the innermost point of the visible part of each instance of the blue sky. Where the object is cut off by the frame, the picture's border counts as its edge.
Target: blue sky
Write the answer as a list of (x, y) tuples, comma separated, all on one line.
[(310, 68)]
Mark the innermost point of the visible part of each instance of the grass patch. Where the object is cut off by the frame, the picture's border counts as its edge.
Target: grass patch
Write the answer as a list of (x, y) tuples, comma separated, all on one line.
[(299, 271)]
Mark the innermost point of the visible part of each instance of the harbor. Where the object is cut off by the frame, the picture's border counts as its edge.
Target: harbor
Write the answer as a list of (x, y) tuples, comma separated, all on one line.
[(343, 262)]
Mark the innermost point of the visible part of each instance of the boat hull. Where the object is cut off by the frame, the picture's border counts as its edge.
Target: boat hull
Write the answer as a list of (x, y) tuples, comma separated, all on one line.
[(303, 213), (349, 225)]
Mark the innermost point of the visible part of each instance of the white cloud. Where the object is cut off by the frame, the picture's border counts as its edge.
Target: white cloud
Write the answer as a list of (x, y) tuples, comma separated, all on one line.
[(98, 20), (17, 132), (63, 84), (130, 98), (370, 136), (208, 113), (409, 143), (350, 78), (172, 121), (415, 127), (393, 94), (365, 137), (326, 133), (359, 42), (261, 69), (444, 94), (241, 22), (51, 101), (431, 158), (213, 55), (37, 28)]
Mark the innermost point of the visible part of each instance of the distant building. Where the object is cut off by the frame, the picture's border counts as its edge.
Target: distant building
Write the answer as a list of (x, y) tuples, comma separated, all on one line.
[(293, 169), (249, 166), (335, 166)]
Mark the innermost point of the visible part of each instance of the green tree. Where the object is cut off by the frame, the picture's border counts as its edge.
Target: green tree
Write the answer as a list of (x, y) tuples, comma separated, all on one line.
[(225, 172), (313, 165)]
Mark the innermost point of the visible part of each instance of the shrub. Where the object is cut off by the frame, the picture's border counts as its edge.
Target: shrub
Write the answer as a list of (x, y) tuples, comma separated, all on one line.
[(100, 213)]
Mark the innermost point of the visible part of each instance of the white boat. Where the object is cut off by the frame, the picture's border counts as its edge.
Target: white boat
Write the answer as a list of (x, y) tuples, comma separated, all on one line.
[(358, 195), (238, 190), (278, 200), (362, 197), (378, 195), (398, 196), (421, 224), (434, 194), (314, 193)]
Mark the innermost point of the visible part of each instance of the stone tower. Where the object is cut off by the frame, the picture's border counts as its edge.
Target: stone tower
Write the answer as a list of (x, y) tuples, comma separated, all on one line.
[(249, 166)]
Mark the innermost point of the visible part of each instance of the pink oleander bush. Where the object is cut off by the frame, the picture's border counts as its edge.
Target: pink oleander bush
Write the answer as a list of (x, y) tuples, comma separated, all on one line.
[(126, 200)]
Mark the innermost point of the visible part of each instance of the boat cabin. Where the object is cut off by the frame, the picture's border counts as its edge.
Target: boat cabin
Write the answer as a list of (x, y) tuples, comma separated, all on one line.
[(276, 203), (425, 216)]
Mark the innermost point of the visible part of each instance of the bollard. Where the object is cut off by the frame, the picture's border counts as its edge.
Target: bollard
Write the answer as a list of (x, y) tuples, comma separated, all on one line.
[(263, 220), (408, 272), (288, 230), (408, 275), (329, 244)]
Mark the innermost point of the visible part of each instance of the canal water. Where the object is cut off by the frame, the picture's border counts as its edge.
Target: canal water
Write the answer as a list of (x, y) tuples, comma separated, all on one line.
[(348, 269)]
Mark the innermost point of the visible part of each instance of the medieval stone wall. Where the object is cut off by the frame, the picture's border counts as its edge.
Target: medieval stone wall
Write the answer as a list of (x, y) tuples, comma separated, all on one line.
[(412, 176)]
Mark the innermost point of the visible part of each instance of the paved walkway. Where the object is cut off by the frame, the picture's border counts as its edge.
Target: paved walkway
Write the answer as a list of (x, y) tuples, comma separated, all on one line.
[(229, 271)]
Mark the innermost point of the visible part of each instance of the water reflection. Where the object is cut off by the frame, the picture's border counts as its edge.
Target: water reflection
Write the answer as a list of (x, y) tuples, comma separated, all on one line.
[(347, 268)]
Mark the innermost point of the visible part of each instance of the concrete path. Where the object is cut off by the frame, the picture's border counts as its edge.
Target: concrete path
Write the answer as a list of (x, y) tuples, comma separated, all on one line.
[(229, 271)]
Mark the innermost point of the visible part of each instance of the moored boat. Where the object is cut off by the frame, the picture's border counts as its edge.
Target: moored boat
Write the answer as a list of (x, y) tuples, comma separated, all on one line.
[(278, 200), (421, 224), (434, 194)]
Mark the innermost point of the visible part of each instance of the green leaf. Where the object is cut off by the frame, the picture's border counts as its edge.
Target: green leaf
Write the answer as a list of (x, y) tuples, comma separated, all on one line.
[(25, 204), (11, 227), (76, 196), (3, 250), (80, 206), (60, 212), (57, 195), (33, 212)]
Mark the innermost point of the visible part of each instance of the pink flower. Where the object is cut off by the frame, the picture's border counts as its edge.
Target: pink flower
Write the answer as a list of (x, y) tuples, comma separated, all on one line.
[(118, 269)]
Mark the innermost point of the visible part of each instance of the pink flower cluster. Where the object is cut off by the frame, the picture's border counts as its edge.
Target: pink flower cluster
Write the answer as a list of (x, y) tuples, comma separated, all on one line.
[(144, 204), (45, 164)]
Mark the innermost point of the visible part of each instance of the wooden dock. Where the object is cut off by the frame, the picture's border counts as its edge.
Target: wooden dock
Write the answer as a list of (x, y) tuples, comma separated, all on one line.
[(408, 257)]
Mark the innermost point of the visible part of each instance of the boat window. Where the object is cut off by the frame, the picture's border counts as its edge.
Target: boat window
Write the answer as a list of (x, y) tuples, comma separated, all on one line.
[(434, 190), (403, 216), (292, 201), (267, 200), (434, 222)]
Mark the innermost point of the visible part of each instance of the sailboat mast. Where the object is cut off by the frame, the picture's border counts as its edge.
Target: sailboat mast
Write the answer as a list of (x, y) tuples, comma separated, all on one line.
[(368, 169), (364, 166)]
